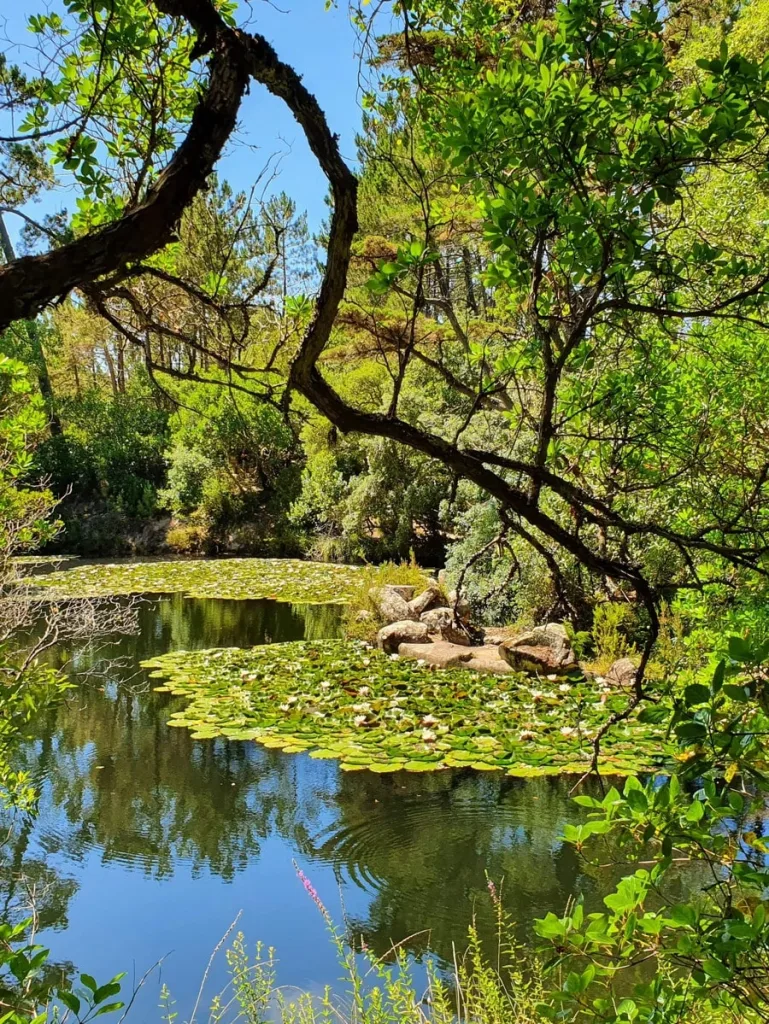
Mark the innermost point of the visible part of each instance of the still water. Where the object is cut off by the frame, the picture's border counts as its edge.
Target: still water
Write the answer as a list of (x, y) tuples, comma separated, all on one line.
[(148, 844)]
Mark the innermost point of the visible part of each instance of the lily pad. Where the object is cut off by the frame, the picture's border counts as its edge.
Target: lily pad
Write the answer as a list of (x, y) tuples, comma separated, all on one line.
[(341, 699), (237, 579)]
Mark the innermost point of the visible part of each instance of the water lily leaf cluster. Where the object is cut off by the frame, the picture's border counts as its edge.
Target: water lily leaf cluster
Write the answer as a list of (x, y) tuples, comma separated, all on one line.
[(237, 579), (342, 699)]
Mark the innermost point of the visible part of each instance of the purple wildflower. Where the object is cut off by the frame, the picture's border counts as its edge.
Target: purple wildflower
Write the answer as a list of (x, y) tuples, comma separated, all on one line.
[(493, 891), (311, 891)]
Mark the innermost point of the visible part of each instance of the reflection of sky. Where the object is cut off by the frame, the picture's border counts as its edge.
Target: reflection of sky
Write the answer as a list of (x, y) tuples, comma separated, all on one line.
[(169, 838), (123, 919)]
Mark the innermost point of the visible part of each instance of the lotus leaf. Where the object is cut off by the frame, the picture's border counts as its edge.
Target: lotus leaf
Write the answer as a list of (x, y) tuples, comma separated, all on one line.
[(341, 699)]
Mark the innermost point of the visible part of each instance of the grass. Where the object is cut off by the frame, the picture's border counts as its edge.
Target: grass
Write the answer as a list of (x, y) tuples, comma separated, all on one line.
[(507, 984), (505, 988)]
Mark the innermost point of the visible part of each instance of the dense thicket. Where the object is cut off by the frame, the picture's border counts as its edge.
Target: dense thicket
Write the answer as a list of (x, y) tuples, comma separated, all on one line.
[(539, 359)]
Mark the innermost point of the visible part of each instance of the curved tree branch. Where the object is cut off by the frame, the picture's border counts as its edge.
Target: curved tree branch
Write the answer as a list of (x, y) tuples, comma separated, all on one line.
[(28, 285)]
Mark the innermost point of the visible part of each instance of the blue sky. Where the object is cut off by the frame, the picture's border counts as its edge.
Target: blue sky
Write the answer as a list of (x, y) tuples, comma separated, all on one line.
[(320, 44)]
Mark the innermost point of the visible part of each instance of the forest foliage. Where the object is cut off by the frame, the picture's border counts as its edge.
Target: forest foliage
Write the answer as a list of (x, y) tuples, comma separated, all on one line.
[(530, 341)]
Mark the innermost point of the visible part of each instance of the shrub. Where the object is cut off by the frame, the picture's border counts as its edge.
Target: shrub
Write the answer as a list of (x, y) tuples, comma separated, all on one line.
[(358, 626), (613, 625), (187, 472), (187, 538)]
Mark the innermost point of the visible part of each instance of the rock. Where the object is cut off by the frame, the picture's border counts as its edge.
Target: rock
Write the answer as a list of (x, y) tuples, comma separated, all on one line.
[(544, 649), (440, 654), (529, 658), (364, 615), (402, 591), (461, 606), (487, 659), (454, 634), (437, 619), (391, 606), (389, 638), (497, 634), (621, 674), (441, 622), (430, 598)]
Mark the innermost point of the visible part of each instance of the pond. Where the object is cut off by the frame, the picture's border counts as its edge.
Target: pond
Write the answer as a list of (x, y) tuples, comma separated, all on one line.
[(149, 843)]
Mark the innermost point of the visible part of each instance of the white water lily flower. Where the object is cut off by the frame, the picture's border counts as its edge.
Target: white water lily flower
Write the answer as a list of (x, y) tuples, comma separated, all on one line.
[(537, 695), (395, 657), (429, 720), (566, 730), (364, 691), (527, 734), (552, 678), (359, 720), (366, 662), (285, 707), (325, 685), (428, 736), (293, 700), (564, 687)]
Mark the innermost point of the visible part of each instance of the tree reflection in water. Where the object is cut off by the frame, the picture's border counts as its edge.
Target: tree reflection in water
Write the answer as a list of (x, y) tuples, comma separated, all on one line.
[(118, 784)]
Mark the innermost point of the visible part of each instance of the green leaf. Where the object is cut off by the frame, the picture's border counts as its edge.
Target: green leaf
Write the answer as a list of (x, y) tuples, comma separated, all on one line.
[(692, 732), (741, 694), (718, 678), (653, 714), (739, 649), (109, 1008), (70, 1000), (696, 811), (696, 693), (716, 970)]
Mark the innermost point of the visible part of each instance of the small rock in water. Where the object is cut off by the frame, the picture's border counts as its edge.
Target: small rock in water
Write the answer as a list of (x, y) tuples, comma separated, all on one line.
[(391, 637), (621, 674)]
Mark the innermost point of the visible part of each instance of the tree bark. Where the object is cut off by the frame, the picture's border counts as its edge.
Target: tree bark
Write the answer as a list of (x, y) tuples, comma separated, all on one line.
[(28, 285)]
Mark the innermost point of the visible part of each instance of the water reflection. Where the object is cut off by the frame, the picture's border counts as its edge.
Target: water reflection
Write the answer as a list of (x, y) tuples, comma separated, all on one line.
[(130, 805)]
